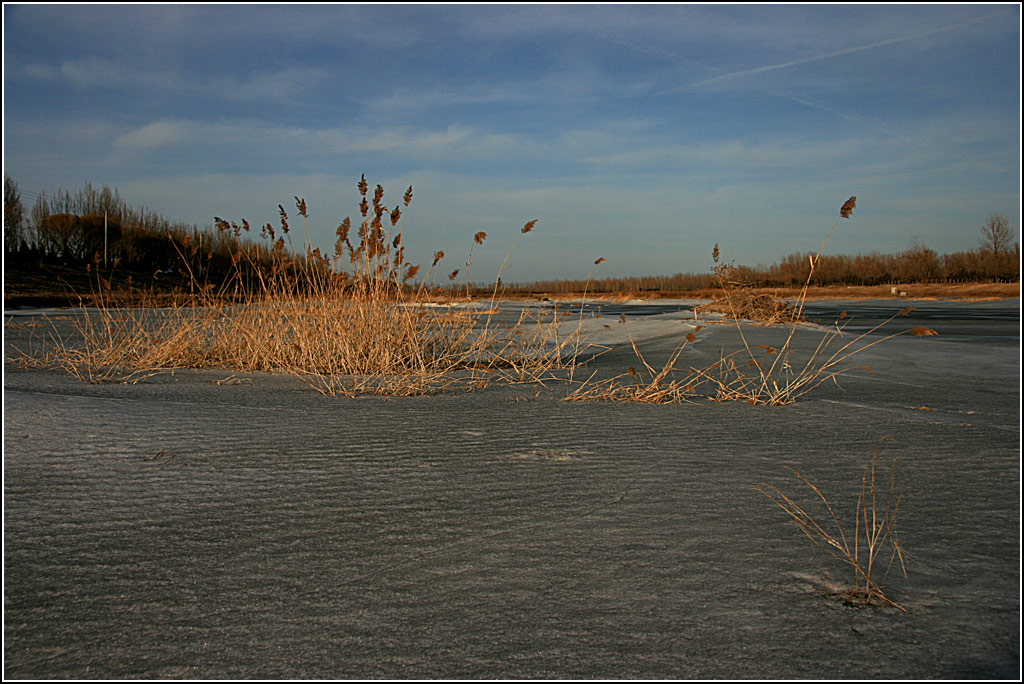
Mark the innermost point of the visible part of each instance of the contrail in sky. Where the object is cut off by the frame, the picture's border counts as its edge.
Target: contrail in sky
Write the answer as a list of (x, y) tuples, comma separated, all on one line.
[(687, 61), (828, 55)]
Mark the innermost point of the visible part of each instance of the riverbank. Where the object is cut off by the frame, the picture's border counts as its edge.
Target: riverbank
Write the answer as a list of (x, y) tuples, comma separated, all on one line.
[(959, 292), (64, 286)]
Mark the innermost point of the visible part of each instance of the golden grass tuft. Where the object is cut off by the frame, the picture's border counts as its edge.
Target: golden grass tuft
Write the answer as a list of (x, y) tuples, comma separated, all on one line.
[(355, 322), (874, 532), (777, 379), (342, 328), (785, 379)]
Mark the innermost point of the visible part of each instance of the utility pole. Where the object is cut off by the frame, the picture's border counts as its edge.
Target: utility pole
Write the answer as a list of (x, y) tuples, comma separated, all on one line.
[(104, 238)]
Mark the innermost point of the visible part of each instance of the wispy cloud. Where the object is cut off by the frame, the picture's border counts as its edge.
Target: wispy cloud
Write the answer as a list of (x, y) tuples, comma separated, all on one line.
[(154, 135), (259, 139), (101, 73), (561, 82)]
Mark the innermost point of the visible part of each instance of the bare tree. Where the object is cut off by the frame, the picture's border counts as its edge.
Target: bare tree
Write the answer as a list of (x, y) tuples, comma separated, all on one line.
[(996, 234), (14, 215)]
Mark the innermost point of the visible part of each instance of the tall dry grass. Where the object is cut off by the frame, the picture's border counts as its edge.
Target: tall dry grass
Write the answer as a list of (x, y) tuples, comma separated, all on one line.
[(350, 323), (780, 376), (358, 321), (756, 374), (874, 531)]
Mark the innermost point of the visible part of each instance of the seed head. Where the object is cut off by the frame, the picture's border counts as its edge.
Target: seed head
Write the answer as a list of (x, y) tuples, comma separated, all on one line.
[(284, 219), (599, 261), (300, 204), (453, 274), (362, 185), (480, 237), (438, 255), (407, 197), (847, 207), (529, 226), (343, 229)]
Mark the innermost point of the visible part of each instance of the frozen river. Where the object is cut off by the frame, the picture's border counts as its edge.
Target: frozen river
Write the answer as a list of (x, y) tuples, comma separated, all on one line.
[(208, 524)]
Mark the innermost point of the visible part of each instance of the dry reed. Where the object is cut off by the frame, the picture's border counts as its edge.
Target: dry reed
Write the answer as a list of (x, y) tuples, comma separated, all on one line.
[(342, 328), (782, 379), (874, 532)]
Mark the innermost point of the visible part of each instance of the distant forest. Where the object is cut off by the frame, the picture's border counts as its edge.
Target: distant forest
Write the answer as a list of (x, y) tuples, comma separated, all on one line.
[(90, 225), (918, 264), (97, 226)]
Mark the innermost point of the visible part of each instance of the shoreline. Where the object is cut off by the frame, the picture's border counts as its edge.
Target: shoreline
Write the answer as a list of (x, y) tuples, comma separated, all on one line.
[(966, 292)]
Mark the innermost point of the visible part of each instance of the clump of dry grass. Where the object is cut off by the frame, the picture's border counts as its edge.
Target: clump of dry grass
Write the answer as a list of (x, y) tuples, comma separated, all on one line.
[(874, 532), (741, 301), (346, 324), (656, 386), (756, 374), (778, 377)]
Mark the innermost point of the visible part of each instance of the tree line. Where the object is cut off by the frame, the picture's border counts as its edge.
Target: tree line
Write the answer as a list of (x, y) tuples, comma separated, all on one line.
[(917, 264), (996, 259), (97, 225)]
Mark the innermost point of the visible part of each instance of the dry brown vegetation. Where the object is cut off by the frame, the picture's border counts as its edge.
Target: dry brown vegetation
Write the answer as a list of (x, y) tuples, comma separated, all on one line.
[(345, 324), (873, 274), (770, 375), (874, 532), (356, 322)]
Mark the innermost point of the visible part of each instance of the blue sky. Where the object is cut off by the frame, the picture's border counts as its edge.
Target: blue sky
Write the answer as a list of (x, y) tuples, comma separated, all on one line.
[(639, 133)]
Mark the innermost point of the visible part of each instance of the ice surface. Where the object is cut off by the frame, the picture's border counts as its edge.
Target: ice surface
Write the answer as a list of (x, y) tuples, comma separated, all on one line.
[(208, 524)]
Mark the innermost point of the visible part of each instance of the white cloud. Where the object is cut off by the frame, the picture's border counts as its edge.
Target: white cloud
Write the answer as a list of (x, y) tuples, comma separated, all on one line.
[(96, 72), (157, 134), (290, 144), (38, 71)]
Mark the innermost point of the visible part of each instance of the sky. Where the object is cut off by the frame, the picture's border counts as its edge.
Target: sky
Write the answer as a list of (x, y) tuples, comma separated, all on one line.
[(642, 134)]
